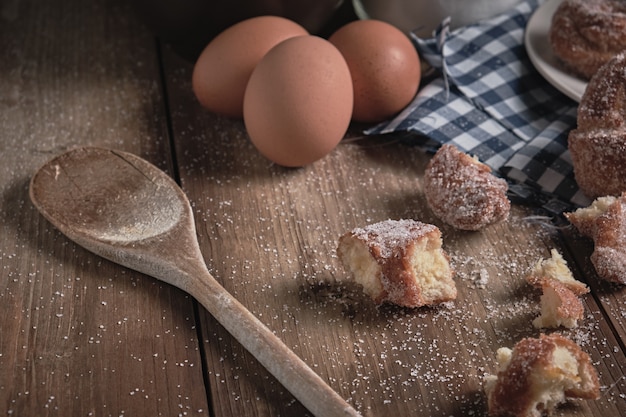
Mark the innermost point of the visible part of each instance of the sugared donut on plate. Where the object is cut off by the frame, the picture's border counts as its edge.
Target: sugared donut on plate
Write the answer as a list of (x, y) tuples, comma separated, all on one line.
[(585, 34)]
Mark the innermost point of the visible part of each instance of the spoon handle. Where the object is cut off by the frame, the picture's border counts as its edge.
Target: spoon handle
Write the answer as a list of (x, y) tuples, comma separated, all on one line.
[(126, 210), (291, 371)]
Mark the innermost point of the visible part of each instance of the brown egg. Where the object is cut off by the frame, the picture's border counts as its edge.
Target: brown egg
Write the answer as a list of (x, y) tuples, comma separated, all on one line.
[(384, 65), (298, 102), (222, 70)]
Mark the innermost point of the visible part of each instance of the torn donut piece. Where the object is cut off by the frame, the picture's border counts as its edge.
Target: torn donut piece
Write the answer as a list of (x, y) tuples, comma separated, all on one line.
[(604, 221), (559, 306), (555, 268), (463, 192), (400, 262), (539, 374), (584, 219)]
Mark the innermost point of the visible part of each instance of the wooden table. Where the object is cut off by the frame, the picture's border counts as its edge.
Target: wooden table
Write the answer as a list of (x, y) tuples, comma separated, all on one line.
[(80, 336)]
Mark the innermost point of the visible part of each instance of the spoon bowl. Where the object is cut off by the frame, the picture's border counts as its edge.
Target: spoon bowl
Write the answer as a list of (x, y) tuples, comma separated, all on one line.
[(125, 209), (107, 204)]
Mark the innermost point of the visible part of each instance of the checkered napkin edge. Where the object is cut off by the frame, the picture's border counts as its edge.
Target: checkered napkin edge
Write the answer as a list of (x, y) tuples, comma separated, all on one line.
[(491, 102)]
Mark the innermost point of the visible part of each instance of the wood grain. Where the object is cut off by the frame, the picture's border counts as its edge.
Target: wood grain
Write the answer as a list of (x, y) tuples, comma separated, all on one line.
[(82, 336), (79, 335)]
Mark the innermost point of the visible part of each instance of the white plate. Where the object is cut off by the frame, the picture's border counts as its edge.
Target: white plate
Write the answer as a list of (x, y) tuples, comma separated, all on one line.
[(541, 55)]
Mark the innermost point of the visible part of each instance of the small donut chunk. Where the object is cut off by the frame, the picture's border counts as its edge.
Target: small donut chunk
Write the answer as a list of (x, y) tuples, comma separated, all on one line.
[(537, 375), (609, 255), (605, 222), (585, 34), (462, 191), (598, 144), (559, 306), (584, 219), (400, 262), (555, 269)]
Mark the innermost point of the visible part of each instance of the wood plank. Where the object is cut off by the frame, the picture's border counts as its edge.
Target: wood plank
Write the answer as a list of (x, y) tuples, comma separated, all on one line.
[(269, 235), (79, 335)]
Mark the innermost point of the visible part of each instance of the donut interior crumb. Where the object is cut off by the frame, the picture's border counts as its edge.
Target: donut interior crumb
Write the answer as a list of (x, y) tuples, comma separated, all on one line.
[(604, 221), (399, 261), (584, 218), (559, 307), (555, 268), (364, 268)]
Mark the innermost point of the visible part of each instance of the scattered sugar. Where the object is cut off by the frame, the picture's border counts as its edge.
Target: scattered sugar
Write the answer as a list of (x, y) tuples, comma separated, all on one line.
[(395, 356)]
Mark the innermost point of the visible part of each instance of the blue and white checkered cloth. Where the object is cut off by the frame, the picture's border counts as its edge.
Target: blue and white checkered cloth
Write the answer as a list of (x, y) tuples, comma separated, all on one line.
[(491, 102)]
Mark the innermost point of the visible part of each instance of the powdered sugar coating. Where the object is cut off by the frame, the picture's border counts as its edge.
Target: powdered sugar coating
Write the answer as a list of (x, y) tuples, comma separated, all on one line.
[(391, 237), (463, 192)]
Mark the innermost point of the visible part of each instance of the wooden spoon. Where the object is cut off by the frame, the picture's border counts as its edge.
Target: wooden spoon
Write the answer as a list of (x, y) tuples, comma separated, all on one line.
[(124, 209)]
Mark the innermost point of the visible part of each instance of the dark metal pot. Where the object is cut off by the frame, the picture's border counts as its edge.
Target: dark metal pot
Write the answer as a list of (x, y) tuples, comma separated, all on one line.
[(189, 25)]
